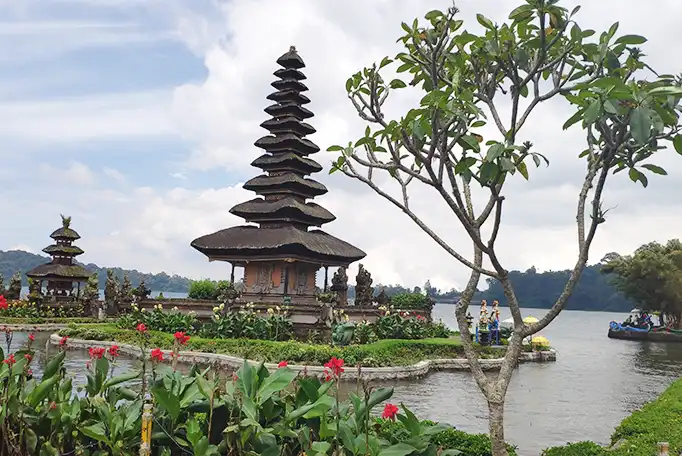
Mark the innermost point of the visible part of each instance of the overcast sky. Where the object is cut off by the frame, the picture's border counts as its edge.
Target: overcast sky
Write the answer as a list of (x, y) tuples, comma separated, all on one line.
[(138, 117)]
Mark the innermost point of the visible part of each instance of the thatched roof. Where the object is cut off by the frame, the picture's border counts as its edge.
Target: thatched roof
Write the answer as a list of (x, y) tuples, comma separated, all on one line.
[(289, 109), (283, 210), (288, 125), (53, 271), (289, 84), (287, 142), (286, 162), (65, 233), (291, 59), (285, 183), (242, 243), (290, 96), (290, 73), (66, 250)]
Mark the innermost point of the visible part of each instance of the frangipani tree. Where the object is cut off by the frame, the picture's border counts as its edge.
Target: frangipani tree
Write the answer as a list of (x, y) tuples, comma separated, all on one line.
[(539, 54)]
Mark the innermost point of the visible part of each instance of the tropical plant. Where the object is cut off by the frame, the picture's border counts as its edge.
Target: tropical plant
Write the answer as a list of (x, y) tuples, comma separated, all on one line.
[(247, 323), (159, 319), (465, 79), (208, 289)]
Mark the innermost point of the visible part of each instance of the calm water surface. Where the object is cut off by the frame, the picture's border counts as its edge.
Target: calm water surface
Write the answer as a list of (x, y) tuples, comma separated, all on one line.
[(595, 383)]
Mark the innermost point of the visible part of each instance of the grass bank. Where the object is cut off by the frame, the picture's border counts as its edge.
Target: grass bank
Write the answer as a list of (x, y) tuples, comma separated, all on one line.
[(379, 354), (638, 434), (46, 320)]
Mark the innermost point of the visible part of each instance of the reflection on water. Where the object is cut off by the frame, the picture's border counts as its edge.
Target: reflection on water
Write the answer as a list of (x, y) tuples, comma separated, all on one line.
[(595, 383)]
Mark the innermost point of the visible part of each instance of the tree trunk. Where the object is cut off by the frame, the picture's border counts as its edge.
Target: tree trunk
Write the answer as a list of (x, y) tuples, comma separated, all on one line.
[(496, 425)]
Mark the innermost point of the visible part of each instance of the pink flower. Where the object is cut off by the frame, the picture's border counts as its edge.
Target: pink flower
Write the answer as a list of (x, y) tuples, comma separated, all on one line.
[(283, 364), (142, 328)]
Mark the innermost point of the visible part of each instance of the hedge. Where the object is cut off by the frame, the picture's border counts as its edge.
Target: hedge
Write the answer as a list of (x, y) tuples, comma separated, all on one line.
[(639, 434), (379, 354), (46, 320)]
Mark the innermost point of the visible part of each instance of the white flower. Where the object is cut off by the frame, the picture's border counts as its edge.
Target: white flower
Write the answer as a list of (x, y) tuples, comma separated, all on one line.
[(271, 310), (176, 308), (277, 308), (221, 306), (143, 310)]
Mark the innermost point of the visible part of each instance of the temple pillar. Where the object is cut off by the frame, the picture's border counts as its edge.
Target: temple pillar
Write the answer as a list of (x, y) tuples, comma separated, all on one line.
[(326, 278)]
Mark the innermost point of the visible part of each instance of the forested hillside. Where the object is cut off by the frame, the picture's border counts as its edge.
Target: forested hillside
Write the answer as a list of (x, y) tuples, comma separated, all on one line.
[(17, 260)]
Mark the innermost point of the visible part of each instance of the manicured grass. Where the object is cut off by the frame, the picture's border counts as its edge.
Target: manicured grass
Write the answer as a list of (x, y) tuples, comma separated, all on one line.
[(638, 434), (378, 354)]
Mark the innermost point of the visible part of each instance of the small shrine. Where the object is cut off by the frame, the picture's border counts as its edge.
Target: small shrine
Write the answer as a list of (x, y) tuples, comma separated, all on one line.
[(59, 275), (279, 252)]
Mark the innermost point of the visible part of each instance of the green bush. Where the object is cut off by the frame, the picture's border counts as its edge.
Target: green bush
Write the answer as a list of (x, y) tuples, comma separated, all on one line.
[(638, 434), (412, 301), (45, 320), (378, 354), (207, 289), (449, 439)]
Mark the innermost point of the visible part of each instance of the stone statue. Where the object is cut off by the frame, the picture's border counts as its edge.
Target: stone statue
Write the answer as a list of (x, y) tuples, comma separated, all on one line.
[(111, 287), (382, 298), (483, 315), (14, 288), (91, 295), (364, 291), (142, 292), (35, 292), (340, 286), (2, 285), (125, 292), (343, 334)]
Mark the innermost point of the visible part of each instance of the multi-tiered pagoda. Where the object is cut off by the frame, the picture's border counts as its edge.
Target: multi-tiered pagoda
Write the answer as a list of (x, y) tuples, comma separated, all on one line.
[(281, 255), (61, 273)]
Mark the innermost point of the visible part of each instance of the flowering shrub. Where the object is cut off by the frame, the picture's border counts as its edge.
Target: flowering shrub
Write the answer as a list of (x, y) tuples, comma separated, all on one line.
[(412, 301), (399, 325), (208, 289), (25, 309), (159, 319), (248, 323)]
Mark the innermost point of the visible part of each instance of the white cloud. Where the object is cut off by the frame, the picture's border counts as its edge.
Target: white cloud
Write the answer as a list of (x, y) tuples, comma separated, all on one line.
[(76, 175), (114, 174), (150, 229)]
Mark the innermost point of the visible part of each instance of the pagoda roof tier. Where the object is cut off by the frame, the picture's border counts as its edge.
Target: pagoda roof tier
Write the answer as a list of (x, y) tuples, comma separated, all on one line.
[(289, 73), (289, 84), (285, 143), (289, 109), (250, 243), (290, 96), (288, 161), (288, 124), (65, 233), (291, 59), (54, 271), (65, 250), (288, 183), (286, 209)]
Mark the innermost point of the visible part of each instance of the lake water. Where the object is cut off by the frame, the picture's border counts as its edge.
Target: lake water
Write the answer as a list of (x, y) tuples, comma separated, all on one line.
[(595, 383)]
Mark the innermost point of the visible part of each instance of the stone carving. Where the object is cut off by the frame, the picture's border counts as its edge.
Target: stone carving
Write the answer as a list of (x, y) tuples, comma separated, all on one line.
[(111, 292), (343, 334), (91, 296), (301, 281), (35, 292), (2, 285), (14, 287), (364, 291), (264, 283), (340, 287), (142, 292), (125, 293), (382, 298)]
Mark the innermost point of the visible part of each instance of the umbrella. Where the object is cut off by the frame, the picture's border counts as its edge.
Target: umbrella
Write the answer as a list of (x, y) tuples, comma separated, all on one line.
[(530, 319), (541, 340)]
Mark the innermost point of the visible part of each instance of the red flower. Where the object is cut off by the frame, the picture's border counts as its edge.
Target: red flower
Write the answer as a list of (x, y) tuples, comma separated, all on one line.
[(157, 355), (283, 364), (113, 351), (420, 317), (181, 337), (53, 405), (10, 360), (31, 337), (335, 366), (390, 411), (3, 302), (234, 377), (96, 352), (63, 341), (28, 357), (141, 328)]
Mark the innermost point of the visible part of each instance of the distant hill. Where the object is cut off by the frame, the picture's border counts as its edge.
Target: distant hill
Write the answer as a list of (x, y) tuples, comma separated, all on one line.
[(12, 261)]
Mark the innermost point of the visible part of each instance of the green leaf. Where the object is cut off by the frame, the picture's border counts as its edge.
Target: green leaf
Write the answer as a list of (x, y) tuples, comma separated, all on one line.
[(523, 170), (385, 61), (636, 175), (640, 125), (41, 391), (464, 164), (485, 22), (677, 143), (401, 449), (47, 449), (666, 90), (575, 118), (397, 84), (521, 12), (592, 113), (95, 431), (120, 379), (494, 151), (334, 149), (349, 84), (506, 164), (54, 365), (321, 447), (167, 401), (275, 383), (610, 107), (631, 40), (433, 14), (31, 440), (655, 169)]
